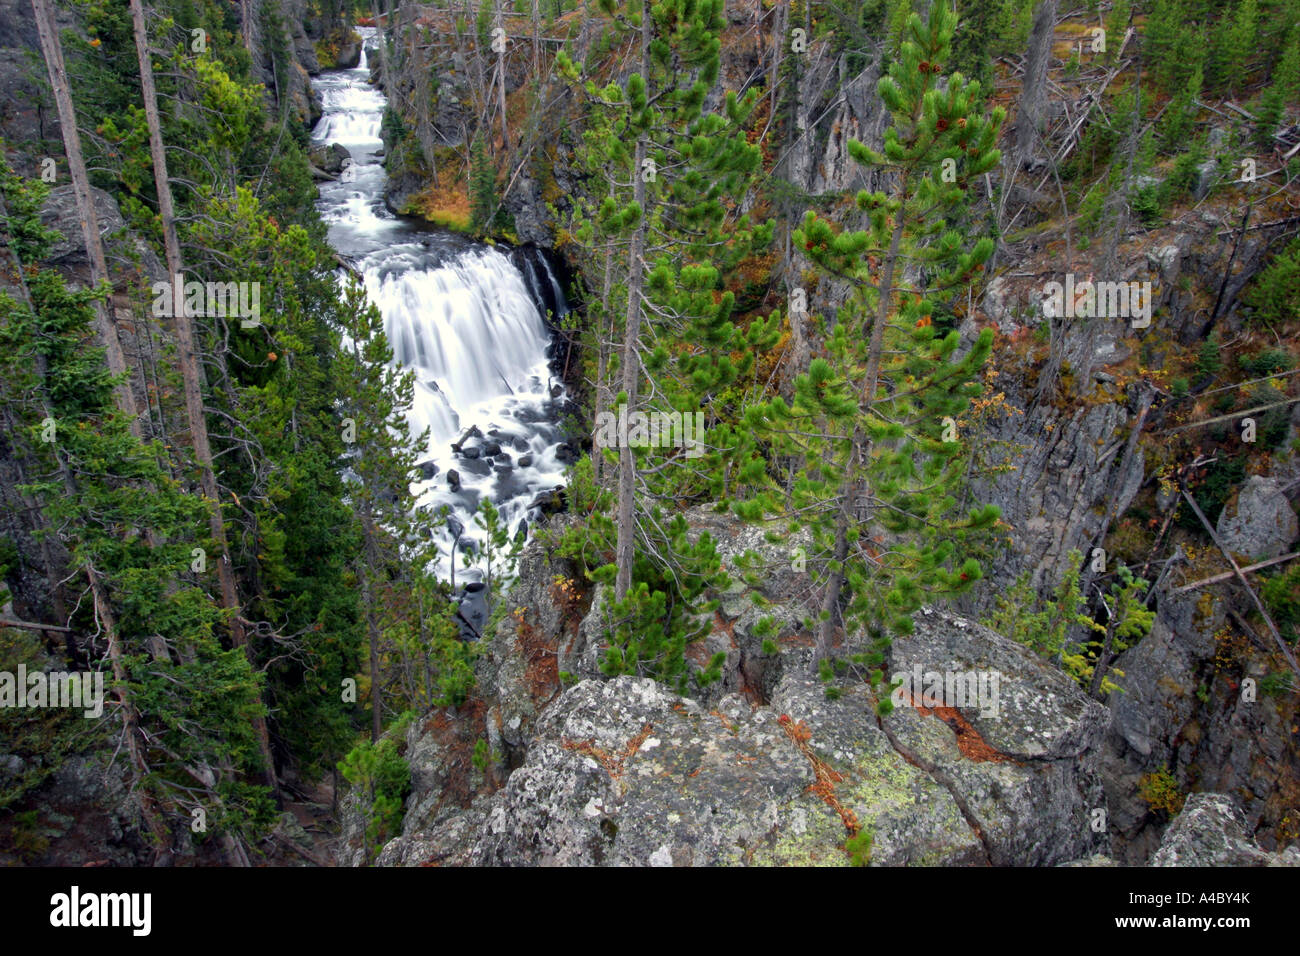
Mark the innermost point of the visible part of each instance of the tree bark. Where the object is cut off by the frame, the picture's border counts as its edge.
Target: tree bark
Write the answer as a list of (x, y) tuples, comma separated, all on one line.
[(52, 49), (604, 332), (501, 70), (1034, 91), (372, 627), (631, 369)]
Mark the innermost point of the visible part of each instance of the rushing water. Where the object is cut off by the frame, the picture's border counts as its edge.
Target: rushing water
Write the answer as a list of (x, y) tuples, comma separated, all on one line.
[(462, 315)]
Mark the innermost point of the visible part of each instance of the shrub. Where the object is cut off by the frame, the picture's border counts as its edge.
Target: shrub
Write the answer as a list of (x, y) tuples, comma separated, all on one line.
[(1161, 792), (1272, 295), (1267, 362), (382, 778), (1281, 593)]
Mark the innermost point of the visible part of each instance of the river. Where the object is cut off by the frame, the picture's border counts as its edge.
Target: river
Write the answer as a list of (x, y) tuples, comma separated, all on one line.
[(464, 317)]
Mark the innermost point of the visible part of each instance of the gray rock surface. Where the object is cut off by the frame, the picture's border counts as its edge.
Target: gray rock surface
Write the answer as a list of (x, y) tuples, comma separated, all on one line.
[(1211, 831), (627, 772), (1261, 524), (1063, 476)]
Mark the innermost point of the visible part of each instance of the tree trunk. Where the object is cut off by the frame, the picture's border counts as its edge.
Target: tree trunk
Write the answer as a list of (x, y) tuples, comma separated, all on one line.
[(191, 374), (246, 23), (423, 106), (604, 331), (52, 49), (372, 627), (501, 70), (631, 370), (1034, 91), (537, 41), (1104, 657)]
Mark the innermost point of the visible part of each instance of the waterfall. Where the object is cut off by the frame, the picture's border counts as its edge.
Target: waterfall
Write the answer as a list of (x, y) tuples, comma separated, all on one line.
[(464, 316)]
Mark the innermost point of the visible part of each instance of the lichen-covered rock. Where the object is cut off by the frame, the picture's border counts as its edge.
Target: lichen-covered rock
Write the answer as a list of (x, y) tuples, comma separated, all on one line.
[(1096, 860), (331, 158), (446, 842), (1023, 760), (1211, 831), (627, 772), (519, 670), (1262, 524)]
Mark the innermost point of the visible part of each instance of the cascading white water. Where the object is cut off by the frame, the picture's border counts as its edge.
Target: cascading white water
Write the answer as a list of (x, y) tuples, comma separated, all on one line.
[(461, 315)]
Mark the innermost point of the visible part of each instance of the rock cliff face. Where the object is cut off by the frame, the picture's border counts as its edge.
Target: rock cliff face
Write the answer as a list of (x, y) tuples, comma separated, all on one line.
[(626, 772), (1212, 832), (762, 769)]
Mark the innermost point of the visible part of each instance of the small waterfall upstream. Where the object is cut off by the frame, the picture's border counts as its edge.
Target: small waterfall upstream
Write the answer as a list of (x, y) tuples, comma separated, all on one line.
[(464, 317)]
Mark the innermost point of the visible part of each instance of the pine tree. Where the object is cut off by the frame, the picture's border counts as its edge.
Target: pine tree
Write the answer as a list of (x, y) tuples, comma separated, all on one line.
[(189, 364), (1175, 41), (1283, 91), (188, 705), (382, 458), (482, 186), (52, 49), (674, 171), (873, 431), (413, 643), (1232, 44), (972, 47), (1180, 117), (1116, 27)]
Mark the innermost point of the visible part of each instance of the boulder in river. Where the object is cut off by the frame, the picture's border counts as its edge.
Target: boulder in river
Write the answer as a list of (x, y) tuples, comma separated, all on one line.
[(550, 502), (331, 158)]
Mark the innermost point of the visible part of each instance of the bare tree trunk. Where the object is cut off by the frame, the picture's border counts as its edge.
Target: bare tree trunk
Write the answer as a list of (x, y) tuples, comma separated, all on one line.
[(624, 551), (246, 23), (52, 49), (191, 374), (372, 627), (604, 332), (423, 106), (537, 41), (501, 70), (1033, 94), (780, 22)]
